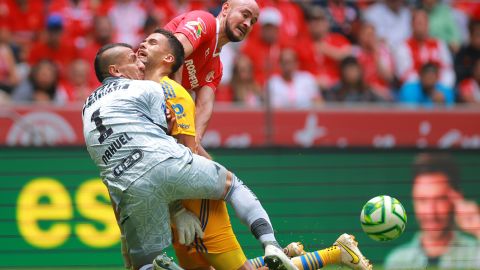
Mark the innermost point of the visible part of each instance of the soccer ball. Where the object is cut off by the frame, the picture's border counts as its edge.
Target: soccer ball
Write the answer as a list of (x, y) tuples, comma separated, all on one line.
[(383, 218)]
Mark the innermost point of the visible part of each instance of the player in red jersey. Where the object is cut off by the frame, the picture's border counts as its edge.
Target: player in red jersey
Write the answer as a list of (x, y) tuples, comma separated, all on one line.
[(203, 36)]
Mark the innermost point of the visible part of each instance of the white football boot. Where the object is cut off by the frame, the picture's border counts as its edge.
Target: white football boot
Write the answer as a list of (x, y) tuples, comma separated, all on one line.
[(163, 262), (294, 249), (276, 259), (351, 255)]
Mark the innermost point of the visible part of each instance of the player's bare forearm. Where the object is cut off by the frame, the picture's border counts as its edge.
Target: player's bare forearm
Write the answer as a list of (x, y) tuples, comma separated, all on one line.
[(189, 141), (187, 46), (188, 49), (204, 108)]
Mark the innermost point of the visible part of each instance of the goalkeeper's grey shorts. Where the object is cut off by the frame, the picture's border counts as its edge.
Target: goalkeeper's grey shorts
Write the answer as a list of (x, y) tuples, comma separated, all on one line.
[(144, 212)]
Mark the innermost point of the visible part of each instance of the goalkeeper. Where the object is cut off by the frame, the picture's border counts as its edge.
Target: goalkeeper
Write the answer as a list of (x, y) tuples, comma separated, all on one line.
[(145, 169)]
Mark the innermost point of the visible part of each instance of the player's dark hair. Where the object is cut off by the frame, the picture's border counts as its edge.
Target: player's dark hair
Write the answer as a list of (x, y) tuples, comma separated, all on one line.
[(437, 163), (101, 62), (176, 46)]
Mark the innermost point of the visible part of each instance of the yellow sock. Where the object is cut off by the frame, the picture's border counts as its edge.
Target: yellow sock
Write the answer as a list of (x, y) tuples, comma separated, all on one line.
[(318, 259), (331, 255)]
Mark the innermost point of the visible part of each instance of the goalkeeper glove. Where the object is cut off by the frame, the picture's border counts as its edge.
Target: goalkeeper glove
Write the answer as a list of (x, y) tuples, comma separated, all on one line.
[(188, 225)]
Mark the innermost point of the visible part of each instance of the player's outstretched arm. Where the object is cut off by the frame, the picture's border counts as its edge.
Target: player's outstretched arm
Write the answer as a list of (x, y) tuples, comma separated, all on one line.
[(187, 45), (188, 141), (188, 49), (204, 107)]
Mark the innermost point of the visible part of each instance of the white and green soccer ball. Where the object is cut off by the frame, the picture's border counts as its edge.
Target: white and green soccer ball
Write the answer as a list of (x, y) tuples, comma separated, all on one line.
[(383, 218)]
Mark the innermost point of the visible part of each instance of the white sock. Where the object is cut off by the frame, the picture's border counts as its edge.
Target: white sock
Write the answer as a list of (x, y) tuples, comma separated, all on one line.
[(249, 210)]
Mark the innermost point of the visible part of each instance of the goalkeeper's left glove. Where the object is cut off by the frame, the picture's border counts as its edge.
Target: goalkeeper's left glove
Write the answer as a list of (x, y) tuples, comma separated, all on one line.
[(188, 225)]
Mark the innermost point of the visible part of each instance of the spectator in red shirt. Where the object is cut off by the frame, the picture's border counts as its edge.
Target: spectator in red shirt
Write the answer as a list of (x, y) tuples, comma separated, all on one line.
[(264, 49), (344, 17), (94, 7), (54, 46), (321, 51), (470, 8), (469, 88), (77, 19), (293, 20), (25, 19), (376, 61), (420, 49)]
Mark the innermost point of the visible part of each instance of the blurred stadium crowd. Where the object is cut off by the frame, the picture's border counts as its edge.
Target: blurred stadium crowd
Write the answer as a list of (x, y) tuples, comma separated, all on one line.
[(301, 53)]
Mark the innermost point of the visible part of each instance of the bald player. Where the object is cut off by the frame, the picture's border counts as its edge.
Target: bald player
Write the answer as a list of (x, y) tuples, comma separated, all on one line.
[(202, 36)]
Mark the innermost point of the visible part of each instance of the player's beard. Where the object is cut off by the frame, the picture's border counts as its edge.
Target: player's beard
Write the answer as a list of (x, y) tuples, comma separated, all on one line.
[(230, 35)]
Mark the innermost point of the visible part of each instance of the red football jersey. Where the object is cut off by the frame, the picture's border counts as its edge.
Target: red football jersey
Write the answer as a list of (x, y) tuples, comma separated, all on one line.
[(203, 67)]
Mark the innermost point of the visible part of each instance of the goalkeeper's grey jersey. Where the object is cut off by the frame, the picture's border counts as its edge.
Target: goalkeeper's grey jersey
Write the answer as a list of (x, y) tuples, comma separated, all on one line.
[(124, 126)]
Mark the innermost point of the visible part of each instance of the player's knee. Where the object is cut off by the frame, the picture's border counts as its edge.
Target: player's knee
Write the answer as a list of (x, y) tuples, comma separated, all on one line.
[(228, 184), (231, 183), (242, 199)]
